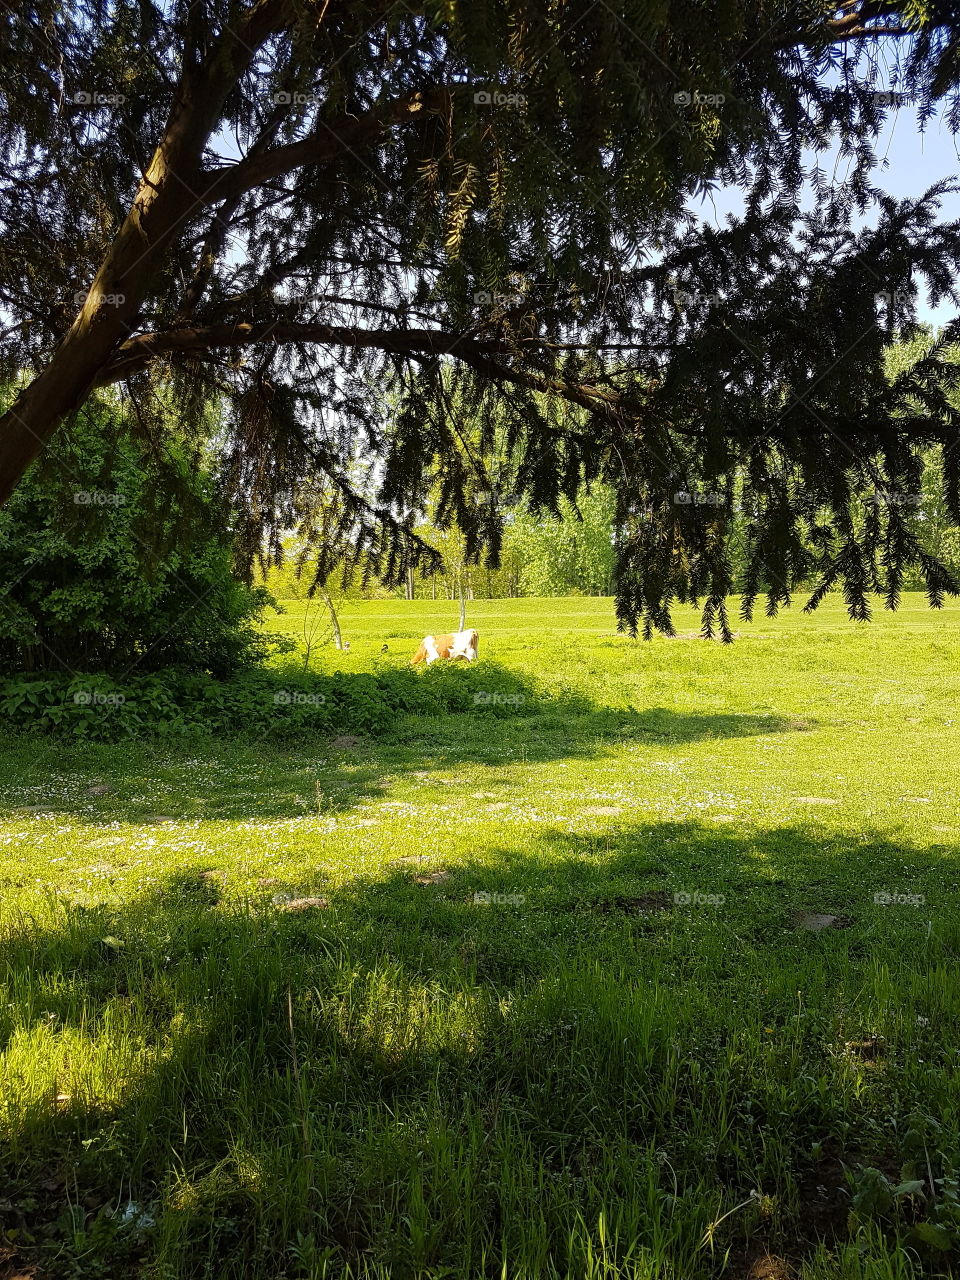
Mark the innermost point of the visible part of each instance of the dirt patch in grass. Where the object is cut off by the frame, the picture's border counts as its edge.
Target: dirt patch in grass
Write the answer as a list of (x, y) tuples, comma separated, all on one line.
[(868, 1049), (771, 1267), (824, 1204), (816, 921), (304, 904), (824, 1198), (652, 903), (13, 1269), (869, 1054), (432, 877), (34, 1209)]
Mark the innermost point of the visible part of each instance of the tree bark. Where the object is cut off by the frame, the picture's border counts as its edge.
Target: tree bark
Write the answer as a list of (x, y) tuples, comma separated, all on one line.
[(167, 196)]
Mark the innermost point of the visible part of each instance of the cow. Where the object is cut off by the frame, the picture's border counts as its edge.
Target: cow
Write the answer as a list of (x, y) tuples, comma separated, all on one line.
[(459, 644)]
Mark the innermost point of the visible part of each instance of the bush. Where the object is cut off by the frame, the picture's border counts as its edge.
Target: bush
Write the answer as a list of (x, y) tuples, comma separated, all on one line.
[(271, 705), (115, 558)]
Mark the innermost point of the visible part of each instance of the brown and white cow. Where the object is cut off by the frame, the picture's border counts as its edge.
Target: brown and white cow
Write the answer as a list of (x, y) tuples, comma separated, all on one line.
[(458, 644)]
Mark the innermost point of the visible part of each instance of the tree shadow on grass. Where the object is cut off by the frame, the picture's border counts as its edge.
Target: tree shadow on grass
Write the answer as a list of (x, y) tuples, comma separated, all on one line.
[(406, 1079), (483, 716)]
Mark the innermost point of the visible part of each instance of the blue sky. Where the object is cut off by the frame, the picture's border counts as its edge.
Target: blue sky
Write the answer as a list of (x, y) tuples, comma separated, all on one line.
[(911, 160)]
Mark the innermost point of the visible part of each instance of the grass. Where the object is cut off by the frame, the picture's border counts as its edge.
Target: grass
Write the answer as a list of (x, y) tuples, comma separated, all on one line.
[(553, 1006)]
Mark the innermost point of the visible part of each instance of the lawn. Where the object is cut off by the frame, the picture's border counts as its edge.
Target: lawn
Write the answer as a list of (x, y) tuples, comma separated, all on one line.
[(648, 972)]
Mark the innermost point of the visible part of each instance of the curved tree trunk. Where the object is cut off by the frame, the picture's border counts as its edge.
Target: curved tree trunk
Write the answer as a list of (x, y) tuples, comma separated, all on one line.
[(169, 193)]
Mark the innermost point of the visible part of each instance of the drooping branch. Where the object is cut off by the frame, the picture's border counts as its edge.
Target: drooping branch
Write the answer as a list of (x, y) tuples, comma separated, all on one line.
[(135, 354), (518, 362)]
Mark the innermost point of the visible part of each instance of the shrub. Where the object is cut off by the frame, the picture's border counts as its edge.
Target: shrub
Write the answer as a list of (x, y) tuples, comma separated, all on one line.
[(268, 704), (114, 557)]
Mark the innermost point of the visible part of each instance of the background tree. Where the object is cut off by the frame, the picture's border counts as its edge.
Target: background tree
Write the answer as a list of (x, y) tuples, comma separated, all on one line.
[(310, 208), (319, 620), (572, 555), (927, 508)]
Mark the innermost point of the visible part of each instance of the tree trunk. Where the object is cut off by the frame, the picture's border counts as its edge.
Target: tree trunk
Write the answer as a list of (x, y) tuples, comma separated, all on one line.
[(463, 609), (167, 196), (334, 620)]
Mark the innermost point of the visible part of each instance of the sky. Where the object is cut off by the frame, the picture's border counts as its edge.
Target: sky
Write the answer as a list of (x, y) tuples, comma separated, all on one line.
[(911, 161)]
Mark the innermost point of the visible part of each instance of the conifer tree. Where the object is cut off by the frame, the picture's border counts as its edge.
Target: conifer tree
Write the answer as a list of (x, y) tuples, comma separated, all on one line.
[(311, 211)]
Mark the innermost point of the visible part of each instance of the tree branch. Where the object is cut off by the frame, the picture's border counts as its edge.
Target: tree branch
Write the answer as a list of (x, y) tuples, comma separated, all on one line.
[(329, 141)]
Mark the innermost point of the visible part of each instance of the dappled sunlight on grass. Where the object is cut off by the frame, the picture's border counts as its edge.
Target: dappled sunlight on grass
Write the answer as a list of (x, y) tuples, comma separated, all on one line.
[(665, 957)]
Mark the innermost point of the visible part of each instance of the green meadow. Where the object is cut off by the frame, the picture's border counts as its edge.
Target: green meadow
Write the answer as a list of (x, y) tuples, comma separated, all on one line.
[(643, 969)]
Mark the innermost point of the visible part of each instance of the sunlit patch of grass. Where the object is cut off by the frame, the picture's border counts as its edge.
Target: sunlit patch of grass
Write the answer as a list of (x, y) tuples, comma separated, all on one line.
[(550, 1008)]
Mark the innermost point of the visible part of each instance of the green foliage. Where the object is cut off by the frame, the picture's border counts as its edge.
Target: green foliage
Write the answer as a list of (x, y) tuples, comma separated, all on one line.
[(567, 552), (116, 557), (499, 193), (934, 1201), (569, 555), (275, 705)]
